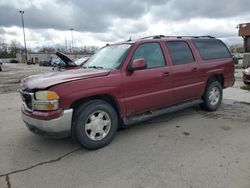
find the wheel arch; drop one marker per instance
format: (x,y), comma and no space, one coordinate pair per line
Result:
(105,97)
(216,77)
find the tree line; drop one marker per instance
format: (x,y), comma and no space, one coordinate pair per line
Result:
(9,50)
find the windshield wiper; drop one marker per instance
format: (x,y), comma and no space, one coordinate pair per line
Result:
(95,67)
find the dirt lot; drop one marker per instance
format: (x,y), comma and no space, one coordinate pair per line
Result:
(188,149)
(12,74)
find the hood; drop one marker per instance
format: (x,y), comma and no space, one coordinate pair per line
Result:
(65,59)
(42,81)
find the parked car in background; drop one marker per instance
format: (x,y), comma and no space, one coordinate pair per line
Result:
(70,64)
(57,63)
(13,61)
(246,76)
(238,56)
(30,62)
(45,63)
(236,61)
(125,83)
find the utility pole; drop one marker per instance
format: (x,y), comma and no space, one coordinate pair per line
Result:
(26,57)
(66,46)
(72,40)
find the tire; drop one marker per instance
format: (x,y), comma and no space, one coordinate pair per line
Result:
(213,96)
(95,124)
(246,83)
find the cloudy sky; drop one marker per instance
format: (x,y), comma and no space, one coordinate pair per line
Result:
(97,22)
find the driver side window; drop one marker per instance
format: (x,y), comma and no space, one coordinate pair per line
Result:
(151,53)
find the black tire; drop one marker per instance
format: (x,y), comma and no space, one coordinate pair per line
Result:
(82,116)
(208,104)
(246,83)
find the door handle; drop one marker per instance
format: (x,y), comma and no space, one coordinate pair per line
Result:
(165,74)
(194,69)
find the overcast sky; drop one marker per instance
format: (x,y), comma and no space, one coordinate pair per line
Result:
(96,22)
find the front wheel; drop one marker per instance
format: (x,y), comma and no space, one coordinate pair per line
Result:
(213,96)
(95,124)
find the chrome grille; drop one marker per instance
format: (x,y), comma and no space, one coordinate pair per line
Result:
(27,100)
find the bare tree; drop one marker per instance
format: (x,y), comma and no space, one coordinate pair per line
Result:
(15,47)
(3,49)
(47,49)
(236,48)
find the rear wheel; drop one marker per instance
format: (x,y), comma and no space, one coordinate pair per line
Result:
(95,124)
(213,96)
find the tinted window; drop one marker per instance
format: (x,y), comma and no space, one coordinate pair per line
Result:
(180,52)
(211,48)
(151,53)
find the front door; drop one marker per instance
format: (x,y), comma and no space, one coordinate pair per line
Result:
(149,88)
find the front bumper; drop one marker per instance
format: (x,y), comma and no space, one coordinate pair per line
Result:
(59,127)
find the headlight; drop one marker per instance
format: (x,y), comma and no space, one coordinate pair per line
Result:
(46,95)
(46,100)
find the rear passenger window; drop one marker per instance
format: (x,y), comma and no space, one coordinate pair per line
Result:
(151,53)
(211,48)
(180,52)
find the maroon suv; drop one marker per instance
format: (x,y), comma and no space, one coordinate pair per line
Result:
(125,83)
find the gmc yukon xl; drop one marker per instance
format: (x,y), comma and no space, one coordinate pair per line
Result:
(125,83)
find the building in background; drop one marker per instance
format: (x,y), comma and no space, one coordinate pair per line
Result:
(244,31)
(36,57)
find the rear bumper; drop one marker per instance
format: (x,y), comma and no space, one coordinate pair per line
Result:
(59,127)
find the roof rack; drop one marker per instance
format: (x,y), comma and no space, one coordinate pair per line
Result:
(153,37)
(163,36)
(196,37)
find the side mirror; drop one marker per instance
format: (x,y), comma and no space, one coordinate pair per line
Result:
(137,64)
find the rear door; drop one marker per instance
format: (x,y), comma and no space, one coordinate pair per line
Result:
(187,83)
(149,88)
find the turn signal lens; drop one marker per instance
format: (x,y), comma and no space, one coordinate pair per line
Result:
(50,106)
(46,105)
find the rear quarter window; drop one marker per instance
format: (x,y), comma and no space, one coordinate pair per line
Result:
(211,49)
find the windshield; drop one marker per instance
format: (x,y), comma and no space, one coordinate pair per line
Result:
(109,57)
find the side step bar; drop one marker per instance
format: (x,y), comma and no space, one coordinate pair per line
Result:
(148,115)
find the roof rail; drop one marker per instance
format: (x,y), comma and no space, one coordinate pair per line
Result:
(204,36)
(196,37)
(163,36)
(153,37)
